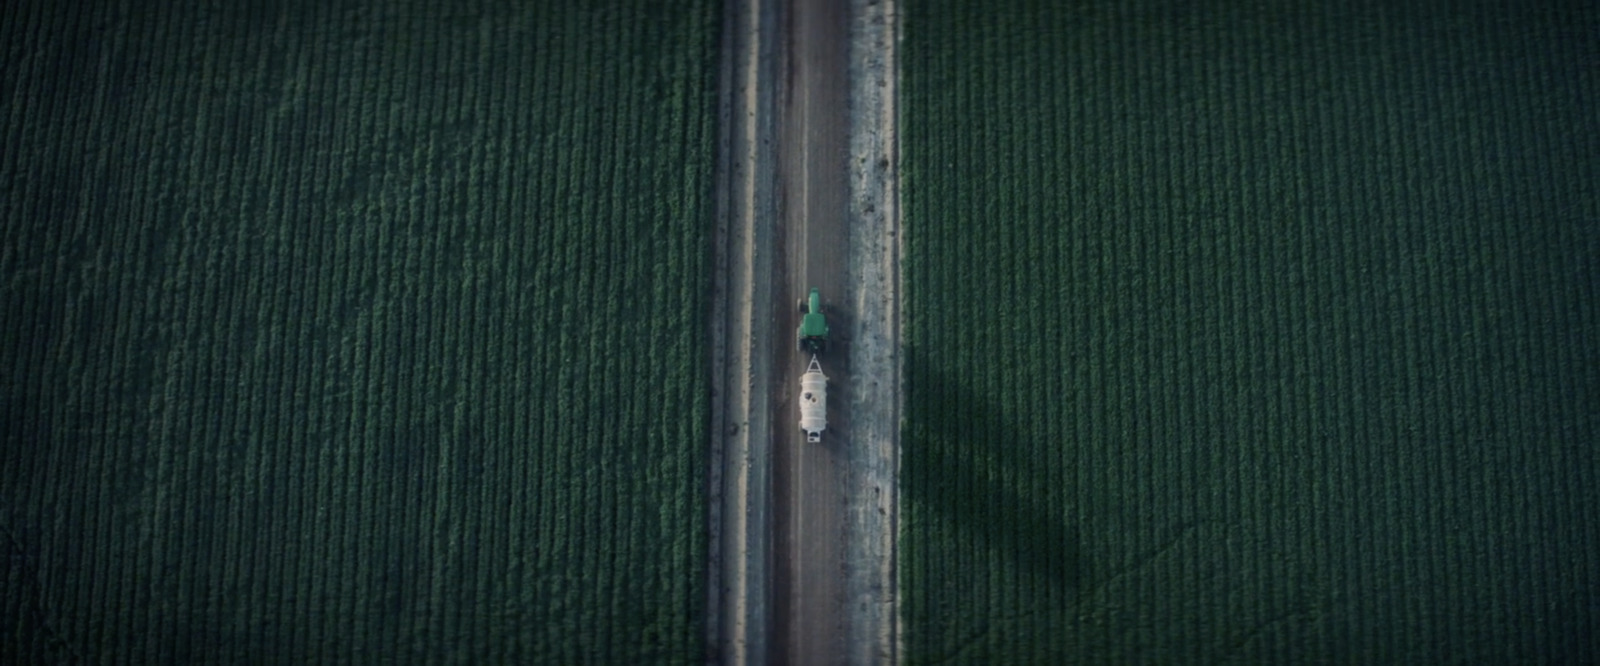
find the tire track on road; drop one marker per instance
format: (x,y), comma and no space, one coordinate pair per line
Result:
(738,625)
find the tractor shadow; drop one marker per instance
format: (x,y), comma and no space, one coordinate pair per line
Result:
(964,466)
(841,323)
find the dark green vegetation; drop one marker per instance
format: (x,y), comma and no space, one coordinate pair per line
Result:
(1275,333)
(354,331)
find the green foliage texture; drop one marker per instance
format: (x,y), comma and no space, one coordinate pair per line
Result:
(355,331)
(1258,332)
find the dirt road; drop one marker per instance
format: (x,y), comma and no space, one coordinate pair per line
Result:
(803,533)
(813,196)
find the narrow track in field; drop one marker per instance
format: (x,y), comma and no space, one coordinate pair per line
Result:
(803,533)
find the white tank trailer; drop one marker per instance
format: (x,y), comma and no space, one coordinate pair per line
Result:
(813,401)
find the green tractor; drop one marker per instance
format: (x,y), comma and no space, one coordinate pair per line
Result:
(813,334)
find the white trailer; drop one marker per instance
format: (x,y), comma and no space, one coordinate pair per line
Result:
(813,401)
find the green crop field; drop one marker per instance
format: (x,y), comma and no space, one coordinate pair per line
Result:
(1260,333)
(358,331)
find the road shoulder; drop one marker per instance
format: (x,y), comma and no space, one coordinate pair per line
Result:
(738,624)
(874,262)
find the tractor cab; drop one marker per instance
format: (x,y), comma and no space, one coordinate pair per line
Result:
(812,336)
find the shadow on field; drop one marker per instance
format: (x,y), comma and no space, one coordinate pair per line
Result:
(968,469)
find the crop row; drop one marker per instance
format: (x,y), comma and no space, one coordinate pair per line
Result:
(363,332)
(1259,335)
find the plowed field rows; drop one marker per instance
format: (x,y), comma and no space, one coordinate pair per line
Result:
(359,331)
(1265,335)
